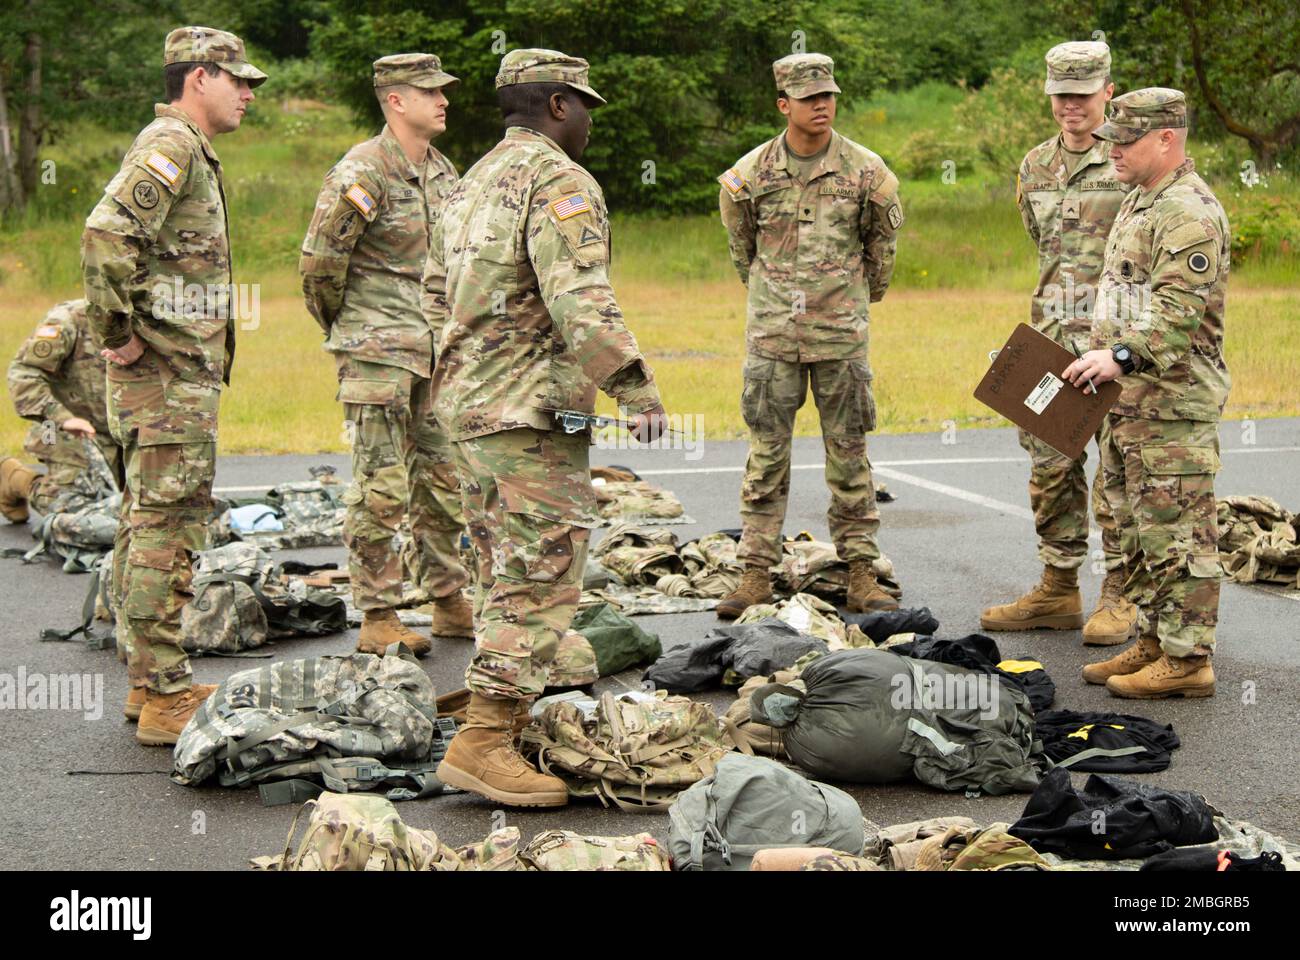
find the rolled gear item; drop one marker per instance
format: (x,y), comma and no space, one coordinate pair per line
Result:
(840,863)
(564,850)
(676,585)
(574,664)
(788,858)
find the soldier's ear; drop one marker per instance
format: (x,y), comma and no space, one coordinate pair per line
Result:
(1110,90)
(559,106)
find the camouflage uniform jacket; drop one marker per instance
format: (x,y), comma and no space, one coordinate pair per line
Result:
(161,227)
(364,252)
(1162,294)
(58,372)
(1069,217)
(517,281)
(813,256)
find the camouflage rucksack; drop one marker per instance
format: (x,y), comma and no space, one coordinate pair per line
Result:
(355,722)
(636,750)
(565,850)
(364,832)
(240,600)
(638,555)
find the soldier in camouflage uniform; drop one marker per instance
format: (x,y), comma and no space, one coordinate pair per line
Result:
(1068,196)
(1158,327)
(57,379)
(156,263)
(517,281)
(361,264)
(812,236)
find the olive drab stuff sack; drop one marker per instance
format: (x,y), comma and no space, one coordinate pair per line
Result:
(240,600)
(753,803)
(636,750)
(349,723)
(872,716)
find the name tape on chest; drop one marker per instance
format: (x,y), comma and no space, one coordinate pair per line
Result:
(570,206)
(733,181)
(359,198)
(164,167)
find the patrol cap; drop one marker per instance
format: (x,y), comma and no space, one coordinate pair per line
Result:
(1135,114)
(423,70)
(1080,66)
(805,74)
(535,65)
(206,45)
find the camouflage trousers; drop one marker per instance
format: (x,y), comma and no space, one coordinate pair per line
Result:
(1058,495)
(401,468)
(1159,480)
(167,429)
(530,508)
(774,390)
(67,483)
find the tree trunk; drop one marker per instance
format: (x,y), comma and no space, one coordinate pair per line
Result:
(11,194)
(29,136)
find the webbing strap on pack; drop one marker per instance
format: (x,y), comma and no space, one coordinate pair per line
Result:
(94,639)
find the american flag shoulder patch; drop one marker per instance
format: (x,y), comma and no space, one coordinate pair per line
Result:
(165,167)
(732,180)
(570,206)
(359,198)
(48,332)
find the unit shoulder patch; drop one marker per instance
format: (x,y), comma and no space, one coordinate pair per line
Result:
(895,215)
(145,194)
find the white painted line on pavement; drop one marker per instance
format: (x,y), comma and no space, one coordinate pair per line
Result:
(957,493)
(935,461)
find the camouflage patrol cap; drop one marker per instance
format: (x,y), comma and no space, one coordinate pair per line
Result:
(534,65)
(805,74)
(1080,66)
(1138,113)
(422,70)
(206,45)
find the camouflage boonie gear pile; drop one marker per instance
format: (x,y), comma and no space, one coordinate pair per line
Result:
(639,555)
(563,850)
(1259,542)
(639,601)
(965,848)
(807,614)
(637,752)
(636,501)
(574,664)
(337,718)
(812,566)
(364,832)
(711,565)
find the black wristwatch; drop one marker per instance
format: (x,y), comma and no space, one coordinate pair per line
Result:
(1124,357)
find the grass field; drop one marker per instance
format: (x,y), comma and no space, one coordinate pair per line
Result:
(962,280)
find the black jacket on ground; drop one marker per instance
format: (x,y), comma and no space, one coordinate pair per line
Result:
(1068,733)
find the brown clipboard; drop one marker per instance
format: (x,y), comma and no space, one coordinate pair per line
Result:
(1024,384)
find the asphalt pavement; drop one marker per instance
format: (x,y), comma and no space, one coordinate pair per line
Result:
(79,792)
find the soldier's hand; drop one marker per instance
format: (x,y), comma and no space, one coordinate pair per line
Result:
(649,426)
(126,354)
(78,427)
(1099,366)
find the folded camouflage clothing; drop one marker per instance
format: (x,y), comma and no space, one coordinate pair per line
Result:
(1258,541)
(636,501)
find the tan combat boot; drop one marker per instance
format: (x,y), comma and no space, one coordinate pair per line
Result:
(380,628)
(1054,603)
(755,587)
(136,698)
(164,715)
(1115,618)
(15,489)
(1145,651)
(453,616)
(1166,677)
(865,593)
(482,759)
